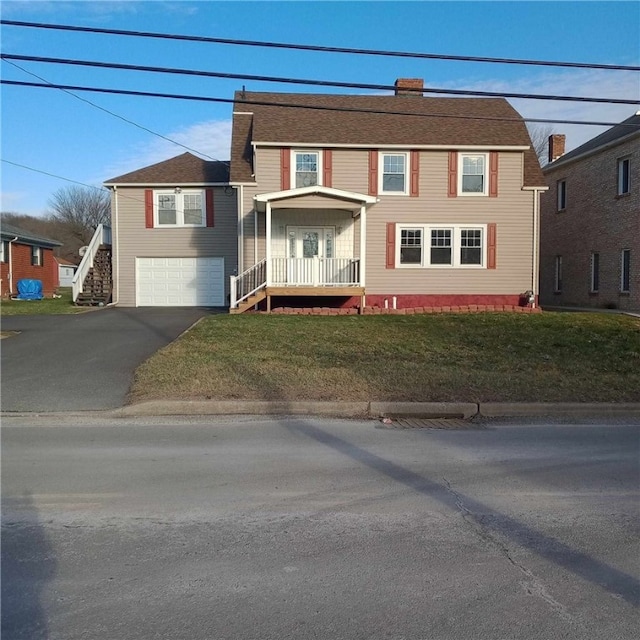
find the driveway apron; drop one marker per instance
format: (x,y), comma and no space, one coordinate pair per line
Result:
(86,361)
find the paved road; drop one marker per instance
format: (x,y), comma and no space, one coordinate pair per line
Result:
(255,528)
(85,361)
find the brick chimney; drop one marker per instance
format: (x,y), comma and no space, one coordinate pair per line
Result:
(556,146)
(409,87)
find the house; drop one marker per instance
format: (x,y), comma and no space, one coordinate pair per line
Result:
(341,200)
(26,255)
(66,271)
(590,221)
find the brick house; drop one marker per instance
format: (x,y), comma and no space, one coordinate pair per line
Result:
(590,221)
(26,255)
(338,200)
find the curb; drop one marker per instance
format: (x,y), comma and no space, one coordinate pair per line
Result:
(465,410)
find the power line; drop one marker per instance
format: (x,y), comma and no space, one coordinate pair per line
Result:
(319,48)
(323,83)
(174,96)
(115,115)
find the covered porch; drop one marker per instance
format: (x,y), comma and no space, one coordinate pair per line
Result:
(314,245)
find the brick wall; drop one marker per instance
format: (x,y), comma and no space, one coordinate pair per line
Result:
(596,219)
(22,268)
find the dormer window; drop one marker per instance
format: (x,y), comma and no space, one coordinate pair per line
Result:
(306,168)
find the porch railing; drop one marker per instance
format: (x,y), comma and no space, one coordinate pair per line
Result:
(247,283)
(315,272)
(102,235)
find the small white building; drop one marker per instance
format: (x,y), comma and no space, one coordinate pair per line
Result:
(66,271)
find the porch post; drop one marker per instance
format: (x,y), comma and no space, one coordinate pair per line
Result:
(363,242)
(267,250)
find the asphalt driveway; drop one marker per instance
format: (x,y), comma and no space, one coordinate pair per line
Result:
(86,361)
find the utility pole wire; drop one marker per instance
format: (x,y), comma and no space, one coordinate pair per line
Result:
(176,96)
(323,83)
(323,49)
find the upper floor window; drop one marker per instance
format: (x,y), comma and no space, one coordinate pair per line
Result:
(179,209)
(393,177)
(562,195)
(36,256)
(4,251)
(306,167)
(624,167)
(472,177)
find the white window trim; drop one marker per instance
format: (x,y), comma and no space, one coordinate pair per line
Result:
(485,176)
(622,254)
(561,206)
(407,172)
(621,162)
(294,154)
(456,235)
(179,208)
(4,251)
(36,252)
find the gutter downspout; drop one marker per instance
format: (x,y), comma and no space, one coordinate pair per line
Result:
(535,256)
(11,267)
(240,229)
(114,249)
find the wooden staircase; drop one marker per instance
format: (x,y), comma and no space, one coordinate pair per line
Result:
(98,283)
(250,302)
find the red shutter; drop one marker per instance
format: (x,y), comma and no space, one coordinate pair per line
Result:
(327,168)
(415,174)
(391,245)
(453,174)
(493,174)
(148,208)
(373,173)
(491,245)
(285,169)
(209,205)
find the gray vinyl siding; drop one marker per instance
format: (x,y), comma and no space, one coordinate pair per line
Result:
(512,211)
(132,239)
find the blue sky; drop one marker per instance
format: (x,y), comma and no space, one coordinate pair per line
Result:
(51,131)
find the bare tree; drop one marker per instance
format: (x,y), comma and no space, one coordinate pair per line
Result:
(539,135)
(81,210)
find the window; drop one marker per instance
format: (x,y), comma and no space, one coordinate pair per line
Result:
(411,246)
(557,285)
(562,195)
(623,176)
(36,256)
(4,251)
(625,269)
(448,246)
(473,174)
(595,272)
(306,168)
(394,173)
(179,209)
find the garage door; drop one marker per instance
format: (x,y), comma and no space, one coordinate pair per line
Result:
(180,282)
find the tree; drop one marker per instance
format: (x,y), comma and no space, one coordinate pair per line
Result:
(80,210)
(539,135)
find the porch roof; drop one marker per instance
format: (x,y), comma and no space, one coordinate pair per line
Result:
(315,190)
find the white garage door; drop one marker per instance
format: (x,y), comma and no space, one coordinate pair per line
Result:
(180,282)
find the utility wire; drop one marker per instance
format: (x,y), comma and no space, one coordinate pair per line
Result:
(176,96)
(323,49)
(322,83)
(115,115)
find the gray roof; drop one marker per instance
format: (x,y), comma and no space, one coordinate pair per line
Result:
(627,128)
(9,232)
(183,169)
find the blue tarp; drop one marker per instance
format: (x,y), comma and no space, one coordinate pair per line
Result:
(29,290)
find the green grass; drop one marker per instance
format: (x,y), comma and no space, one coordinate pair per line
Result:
(46,306)
(449,357)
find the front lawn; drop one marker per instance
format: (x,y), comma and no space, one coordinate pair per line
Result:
(46,306)
(475,358)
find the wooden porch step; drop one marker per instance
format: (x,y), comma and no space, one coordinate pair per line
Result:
(250,302)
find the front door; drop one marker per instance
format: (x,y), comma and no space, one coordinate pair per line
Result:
(307,248)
